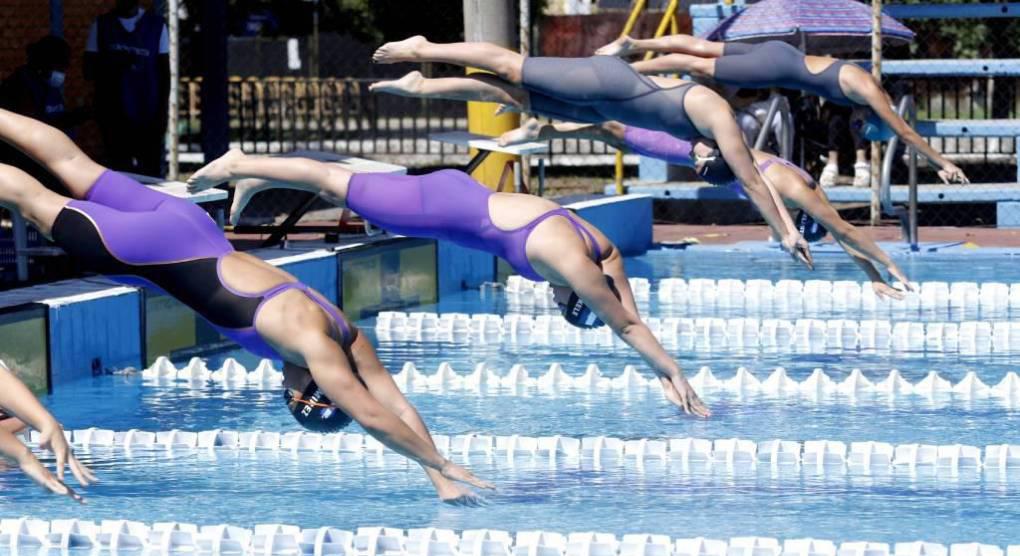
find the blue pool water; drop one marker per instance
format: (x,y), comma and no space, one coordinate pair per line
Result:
(885,505)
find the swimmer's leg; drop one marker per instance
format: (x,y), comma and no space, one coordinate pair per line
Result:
(683,44)
(259,173)
(476,87)
(677,63)
(482,55)
(611,133)
(52,149)
(22,193)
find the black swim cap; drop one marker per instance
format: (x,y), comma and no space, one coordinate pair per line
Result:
(577,313)
(314,410)
(715,170)
(809,228)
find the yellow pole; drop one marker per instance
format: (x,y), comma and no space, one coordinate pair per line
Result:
(668,20)
(491,21)
(635,11)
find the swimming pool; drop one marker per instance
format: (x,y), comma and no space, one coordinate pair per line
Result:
(684,490)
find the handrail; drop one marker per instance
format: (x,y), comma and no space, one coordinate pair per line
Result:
(907,109)
(668,18)
(779,107)
(885,190)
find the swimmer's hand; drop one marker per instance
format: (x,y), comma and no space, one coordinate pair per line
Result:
(898,274)
(52,439)
(456,495)
(951,173)
(457,473)
(682,394)
(882,289)
(37,472)
(798,248)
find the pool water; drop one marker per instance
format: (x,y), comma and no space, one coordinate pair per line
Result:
(346,491)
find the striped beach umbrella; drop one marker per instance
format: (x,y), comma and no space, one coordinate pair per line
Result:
(814,26)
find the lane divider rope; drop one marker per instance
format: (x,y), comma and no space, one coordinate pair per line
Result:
(818,386)
(118,536)
(710,333)
(826,455)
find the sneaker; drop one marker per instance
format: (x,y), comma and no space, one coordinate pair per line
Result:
(862,174)
(829,175)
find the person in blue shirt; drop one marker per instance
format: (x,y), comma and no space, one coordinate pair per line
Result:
(127,56)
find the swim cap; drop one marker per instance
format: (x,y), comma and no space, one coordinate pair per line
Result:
(714,169)
(872,127)
(579,314)
(314,411)
(809,228)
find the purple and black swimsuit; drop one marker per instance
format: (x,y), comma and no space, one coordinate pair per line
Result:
(449,205)
(130,232)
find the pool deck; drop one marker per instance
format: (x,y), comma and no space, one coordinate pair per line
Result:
(940,239)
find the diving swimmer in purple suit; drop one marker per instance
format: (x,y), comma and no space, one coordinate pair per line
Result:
(604,88)
(540,239)
(118,227)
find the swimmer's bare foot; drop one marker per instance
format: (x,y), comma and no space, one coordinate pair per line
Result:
(620,47)
(409,85)
(529,131)
(399,51)
(216,172)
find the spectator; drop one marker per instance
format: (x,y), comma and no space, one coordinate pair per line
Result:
(127,55)
(840,134)
(36,89)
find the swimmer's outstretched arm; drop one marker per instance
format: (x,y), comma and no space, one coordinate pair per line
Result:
(331,370)
(861,248)
(714,119)
(16,399)
(683,44)
(381,385)
(587,280)
(866,90)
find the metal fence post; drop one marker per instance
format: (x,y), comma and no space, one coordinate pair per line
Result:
(876,148)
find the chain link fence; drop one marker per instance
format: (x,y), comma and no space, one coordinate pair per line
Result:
(962,72)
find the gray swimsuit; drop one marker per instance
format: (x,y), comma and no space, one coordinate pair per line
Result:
(777,64)
(611,89)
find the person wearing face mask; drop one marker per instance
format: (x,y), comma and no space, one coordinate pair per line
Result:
(127,56)
(36,89)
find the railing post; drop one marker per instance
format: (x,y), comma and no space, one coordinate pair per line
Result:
(173,139)
(912,208)
(876,70)
(763,133)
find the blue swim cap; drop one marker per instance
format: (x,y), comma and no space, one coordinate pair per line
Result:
(314,411)
(715,169)
(873,128)
(577,313)
(809,228)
